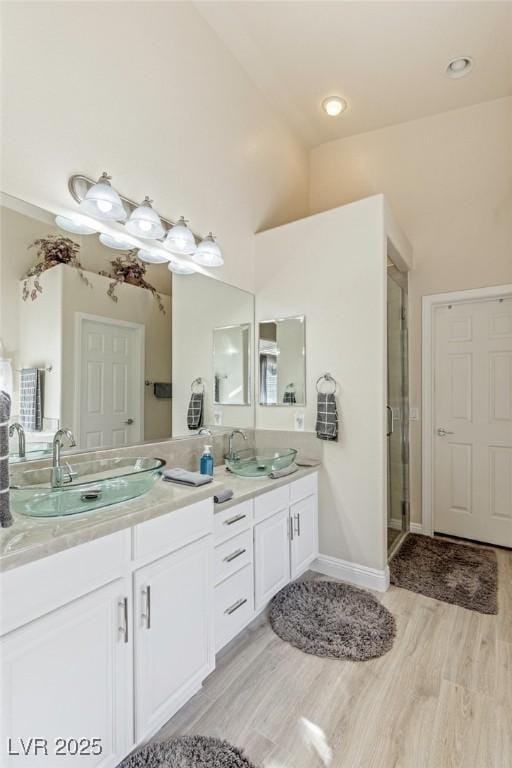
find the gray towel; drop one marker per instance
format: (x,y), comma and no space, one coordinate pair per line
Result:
(31,400)
(183,476)
(5,415)
(195,410)
(223,496)
(326,417)
(277,473)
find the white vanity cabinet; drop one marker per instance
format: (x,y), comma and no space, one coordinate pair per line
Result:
(66,678)
(271,556)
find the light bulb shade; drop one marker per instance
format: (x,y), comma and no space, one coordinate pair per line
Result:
(74,225)
(145,222)
(118,242)
(208,253)
(178,268)
(180,239)
(103,202)
(152,256)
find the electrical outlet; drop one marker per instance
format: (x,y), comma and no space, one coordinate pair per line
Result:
(414,414)
(299,421)
(217,418)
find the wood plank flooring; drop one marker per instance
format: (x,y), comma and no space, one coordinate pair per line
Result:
(441,698)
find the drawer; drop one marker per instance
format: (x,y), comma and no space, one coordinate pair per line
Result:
(171,531)
(233,605)
(271,502)
(304,487)
(232,555)
(229,522)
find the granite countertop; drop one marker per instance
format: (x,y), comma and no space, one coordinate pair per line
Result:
(31,538)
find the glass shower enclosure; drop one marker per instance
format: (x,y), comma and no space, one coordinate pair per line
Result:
(397,410)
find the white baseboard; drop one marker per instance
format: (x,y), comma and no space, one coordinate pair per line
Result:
(352,572)
(416,528)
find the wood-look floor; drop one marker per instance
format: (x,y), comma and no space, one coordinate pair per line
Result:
(441,698)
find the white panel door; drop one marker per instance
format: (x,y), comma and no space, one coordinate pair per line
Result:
(68,676)
(173,632)
(304,545)
(473,420)
(111,383)
(271,556)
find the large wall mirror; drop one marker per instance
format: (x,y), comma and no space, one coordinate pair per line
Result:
(282,361)
(114,361)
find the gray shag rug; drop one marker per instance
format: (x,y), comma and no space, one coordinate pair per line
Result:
(188,752)
(461,574)
(329,618)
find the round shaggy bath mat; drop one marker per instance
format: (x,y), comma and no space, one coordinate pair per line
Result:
(188,752)
(327,618)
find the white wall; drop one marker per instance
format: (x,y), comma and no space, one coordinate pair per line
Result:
(332,268)
(448,179)
(147,91)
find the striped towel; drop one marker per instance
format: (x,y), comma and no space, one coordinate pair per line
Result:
(326,417)
(5,415)
(31,400)
(195,410)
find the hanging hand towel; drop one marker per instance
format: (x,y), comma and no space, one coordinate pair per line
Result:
(195,410)
(31,400)
(326,417)
(5,415)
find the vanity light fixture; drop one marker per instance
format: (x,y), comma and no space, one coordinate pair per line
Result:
(208,253)
(118,242)
(179,268)
(145,222)
(334,105)
(180,239)
(152,256)
(459,67)
(74,225)
(102,201)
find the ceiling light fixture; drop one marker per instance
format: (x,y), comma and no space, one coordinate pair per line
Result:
(102,201)
(459,67)
(334,105)
(152,256)
(178,268)
(145,222)
(180,239)
(118,242)
(74,225)
(208,253)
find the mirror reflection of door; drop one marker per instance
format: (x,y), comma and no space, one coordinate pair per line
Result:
(282,357)
(110,382)
(231,365)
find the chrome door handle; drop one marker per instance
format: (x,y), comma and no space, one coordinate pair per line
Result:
(234,519)
(146,615)
(234,555)
(442,432)
(123,628)
(297,518)
(129,421)
(236,606)
(391,425)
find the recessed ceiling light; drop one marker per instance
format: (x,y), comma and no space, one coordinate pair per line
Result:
(334,105)
(459,67)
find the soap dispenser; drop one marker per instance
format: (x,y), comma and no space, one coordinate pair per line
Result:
(206,465)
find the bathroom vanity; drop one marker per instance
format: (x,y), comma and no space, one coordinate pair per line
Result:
(111,620)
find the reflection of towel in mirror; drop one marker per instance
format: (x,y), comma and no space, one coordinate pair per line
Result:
(195,410)
(31,400)
(5,415)
(289,397)
(326,417)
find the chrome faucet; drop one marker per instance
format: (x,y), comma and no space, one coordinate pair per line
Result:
(58,444)
(21,438)
(231,454)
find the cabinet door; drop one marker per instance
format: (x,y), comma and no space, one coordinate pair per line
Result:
(173,632)
(271,556)
(304,543)
(69,675)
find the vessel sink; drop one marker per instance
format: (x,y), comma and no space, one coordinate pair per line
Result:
(252,464)
(32,451)
(86,485)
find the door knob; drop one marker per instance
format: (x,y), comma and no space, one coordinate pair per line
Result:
(129,421)
(442,432)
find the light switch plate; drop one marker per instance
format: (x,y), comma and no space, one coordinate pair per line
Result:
(414,414)
(298,417)
(217,418)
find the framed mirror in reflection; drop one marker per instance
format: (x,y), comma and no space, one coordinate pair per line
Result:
(282,361)
(91,349)
(232,365)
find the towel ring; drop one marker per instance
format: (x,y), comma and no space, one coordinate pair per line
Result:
(328,378)
(197,382)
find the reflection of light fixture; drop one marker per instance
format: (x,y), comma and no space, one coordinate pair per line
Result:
(152,256)
(118,242)
(180,239)
(74,225)
(178,268)
(102,201)
(144,221)
(208,253)
(459,67)
(334,105)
